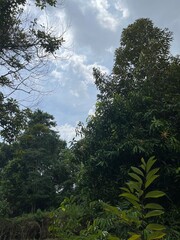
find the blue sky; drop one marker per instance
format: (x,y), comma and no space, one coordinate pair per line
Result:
(92,30)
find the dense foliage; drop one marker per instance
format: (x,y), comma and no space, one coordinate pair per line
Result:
(137,116)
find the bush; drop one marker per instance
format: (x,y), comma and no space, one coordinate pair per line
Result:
(30,226)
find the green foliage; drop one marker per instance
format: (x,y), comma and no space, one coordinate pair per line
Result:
(12,119)
(137,115)
(68,219)
(138,193)
(80,220)
(31,226)
(23,42)
(29,178)
(138,218)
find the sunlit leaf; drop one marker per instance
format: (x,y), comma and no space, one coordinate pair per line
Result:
(153,206)
(138,171)
(156,235)
(154,194)
(150,163)
(152,172)
(129,196)
(135,237)
(155,226)
(154,213)
(150,180)
(136,177)
(143,162)
(134,185)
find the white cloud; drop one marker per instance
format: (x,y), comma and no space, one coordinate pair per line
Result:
(92,111)
(111,49)
(121,7)
(57,77)
(106,19)
(108,12)
(74,93)
(66,131)
(77,65)
(81,67)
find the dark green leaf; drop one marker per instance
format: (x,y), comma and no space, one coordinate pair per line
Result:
(154,213)
(154,194)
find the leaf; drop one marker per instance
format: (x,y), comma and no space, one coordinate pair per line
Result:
(136,177)
(155,226)
(134,185)
(130,187)
(152,172)
(143,167)
(153,206)
(112,209)
(125,189)
(113,238)
(135,237)
(138,171)
(154,194)
(156,235)
(150,163)
(143,162)
(154,213)
(135,204)
(150,180)
(129,196)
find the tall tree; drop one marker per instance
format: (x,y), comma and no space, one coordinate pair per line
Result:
(136,114)
(29,179)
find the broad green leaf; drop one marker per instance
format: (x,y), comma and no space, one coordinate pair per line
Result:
(153,206)
(129,196)
(154,213)
(130,187)
(135,237)
(113,238)
(112,209)
(150,180)
(140,193)
(134,185)
(156,235)
(154,194)
(134,203)
(143,162)
(150,163)
(136,177)
(143,167)
(125,189)
(138,171)
(154,226)
(152,172)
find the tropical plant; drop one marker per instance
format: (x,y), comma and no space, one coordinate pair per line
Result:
(141,216)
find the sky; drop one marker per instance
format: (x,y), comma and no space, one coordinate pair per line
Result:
(91,30)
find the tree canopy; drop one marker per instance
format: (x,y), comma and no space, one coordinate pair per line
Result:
(23,44)
(137,112)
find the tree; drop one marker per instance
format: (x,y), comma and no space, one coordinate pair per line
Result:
(24,47)
(23,44)
(29,178)
(136,114)
(12,119)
